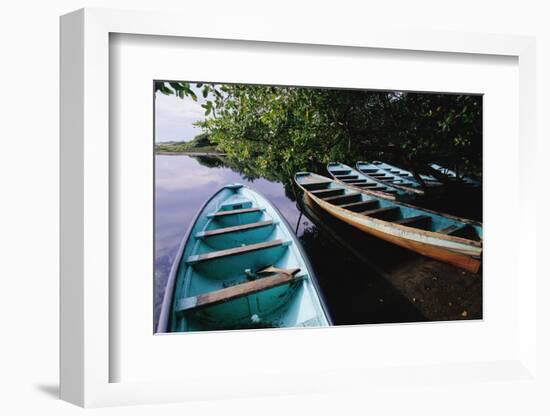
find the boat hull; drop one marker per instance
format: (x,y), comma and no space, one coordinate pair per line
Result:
(218,280)
(439,236)
(464,256)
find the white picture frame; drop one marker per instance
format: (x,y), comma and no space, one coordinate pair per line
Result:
(86,356)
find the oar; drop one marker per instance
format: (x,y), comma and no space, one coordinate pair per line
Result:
(272,269)
(268,270)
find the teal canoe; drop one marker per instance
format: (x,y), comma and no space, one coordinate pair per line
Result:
(240,266)
(452,176)
(454,240)
(349,176)
(429,180)
(380,175)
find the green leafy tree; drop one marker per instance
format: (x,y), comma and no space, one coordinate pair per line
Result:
(276,131)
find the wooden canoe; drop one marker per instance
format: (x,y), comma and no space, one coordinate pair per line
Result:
(351,177)
(429,180)
(454,240)
(452,177)
(240,266)
(378,174)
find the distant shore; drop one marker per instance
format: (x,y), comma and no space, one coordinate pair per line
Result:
(163,153)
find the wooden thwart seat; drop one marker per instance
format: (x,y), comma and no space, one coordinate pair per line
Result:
(324,193)
(233,292)
(233,229)
(450,229)
(354,181)
(344,177)
(315,185)
(233,212)
(358,206)
(340,171)
(343,198)
(236,250)
(418,221)
(464,231)
(381,212)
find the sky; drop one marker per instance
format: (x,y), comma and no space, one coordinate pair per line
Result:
(174,117)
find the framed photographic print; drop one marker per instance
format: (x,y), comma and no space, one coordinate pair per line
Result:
(283,237)
(268,225)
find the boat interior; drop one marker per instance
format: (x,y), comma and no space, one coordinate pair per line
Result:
(357,179)
(360,203)
(428,179)
(452,176)
(242,269)
(392,178)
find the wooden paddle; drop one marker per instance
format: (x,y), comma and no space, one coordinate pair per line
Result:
(271,269)
(252,275)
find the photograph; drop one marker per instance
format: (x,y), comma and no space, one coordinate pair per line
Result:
(283,206)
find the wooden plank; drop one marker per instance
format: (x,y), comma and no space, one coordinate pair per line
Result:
(465,231)
(322,193)
(342,177)
(352,181)
(417,221)
(233,251)
(340,171)
(450,229)
(233,292)
(315,185)
(233,229)
(358,206)
(343,198)
(233,212)
(381,212)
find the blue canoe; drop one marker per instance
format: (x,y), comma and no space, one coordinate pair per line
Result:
(240,266)
(452,176)
(378,174)
(429,180)
(351,177)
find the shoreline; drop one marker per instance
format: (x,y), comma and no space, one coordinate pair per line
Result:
(218,154)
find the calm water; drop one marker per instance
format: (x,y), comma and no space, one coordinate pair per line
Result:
(363,279)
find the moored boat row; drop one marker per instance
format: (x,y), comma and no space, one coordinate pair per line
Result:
(428,180)
(404,182)
(351,177)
